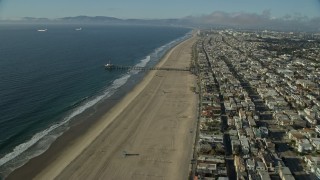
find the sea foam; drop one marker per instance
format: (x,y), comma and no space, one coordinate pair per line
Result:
(47,136)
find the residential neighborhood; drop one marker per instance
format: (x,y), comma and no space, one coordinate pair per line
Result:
(259,108)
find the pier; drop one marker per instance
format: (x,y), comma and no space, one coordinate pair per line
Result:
(119,67)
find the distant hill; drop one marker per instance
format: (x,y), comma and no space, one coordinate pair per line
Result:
(214,20)
(99,20)
(89,19)
(113,20)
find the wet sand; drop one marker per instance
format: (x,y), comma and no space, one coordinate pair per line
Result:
(152,124)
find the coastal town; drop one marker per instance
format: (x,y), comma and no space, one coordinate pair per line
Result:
(259,108)
(160,90)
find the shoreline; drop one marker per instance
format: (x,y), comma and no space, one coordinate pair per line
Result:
(66,149)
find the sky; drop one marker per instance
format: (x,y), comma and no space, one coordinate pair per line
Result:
(154,9)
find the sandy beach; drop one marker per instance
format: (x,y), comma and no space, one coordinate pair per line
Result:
(152,124)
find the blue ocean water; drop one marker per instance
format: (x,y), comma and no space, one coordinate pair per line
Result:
(48,78)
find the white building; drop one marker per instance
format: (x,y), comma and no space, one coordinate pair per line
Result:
(244,145)
(312,162)
(304,146)
(317,129)
(315,143)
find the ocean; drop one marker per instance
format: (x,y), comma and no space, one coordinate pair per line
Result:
(48,79)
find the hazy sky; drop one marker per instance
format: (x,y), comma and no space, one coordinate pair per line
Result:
(153,8)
